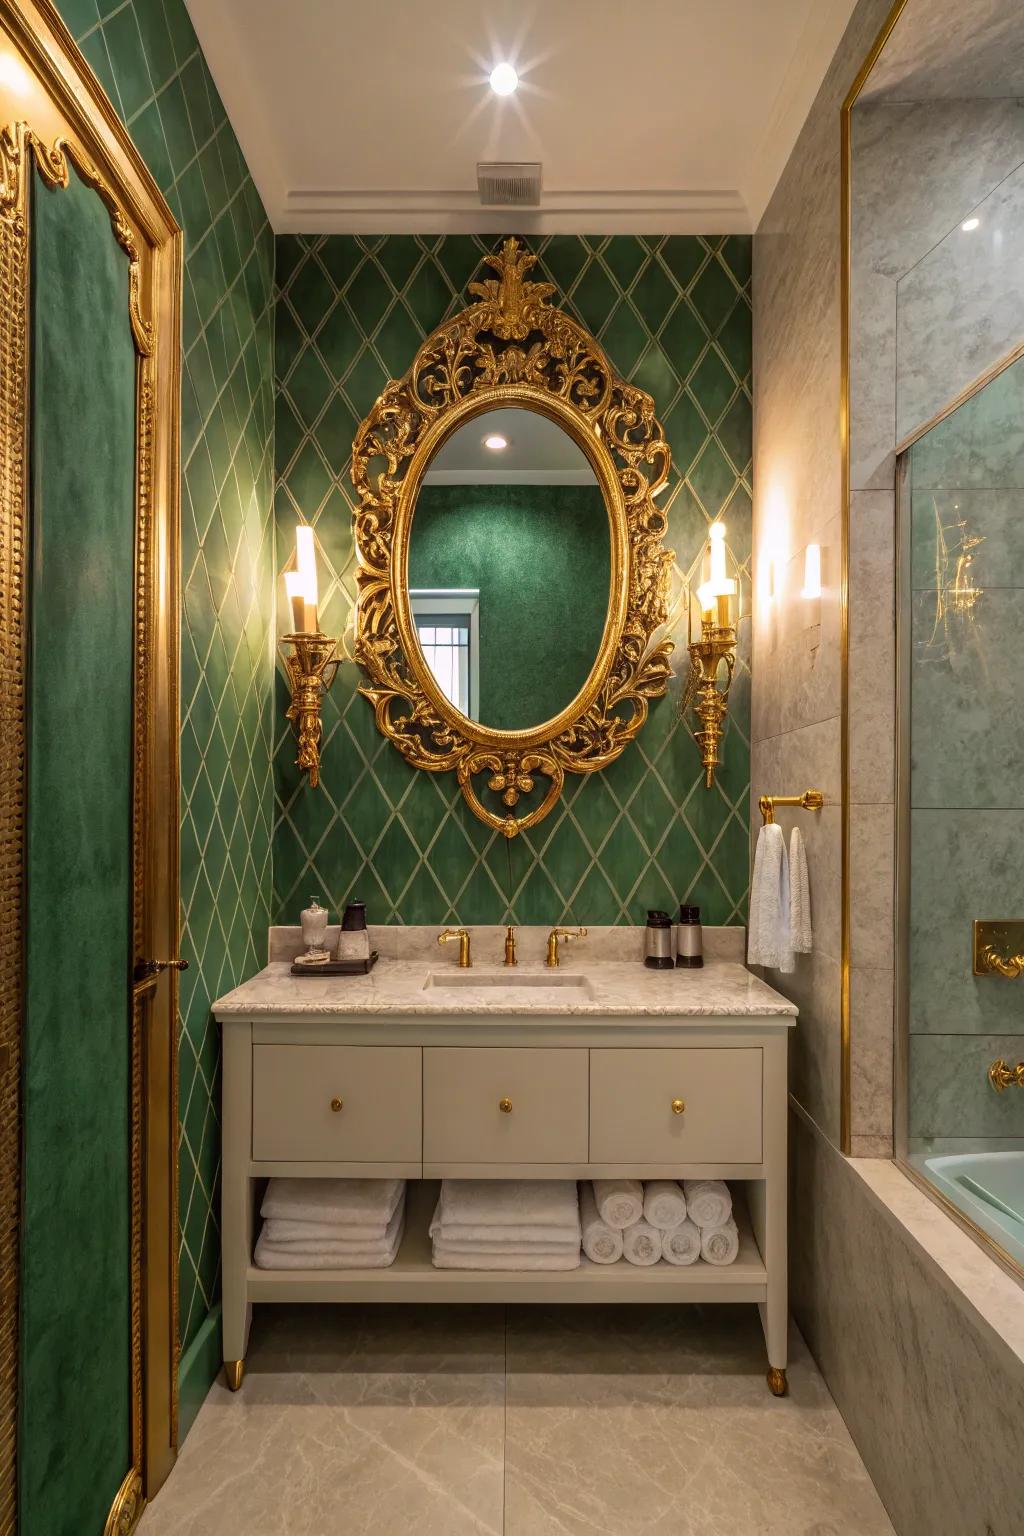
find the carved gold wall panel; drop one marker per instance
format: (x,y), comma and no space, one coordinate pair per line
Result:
(512,348)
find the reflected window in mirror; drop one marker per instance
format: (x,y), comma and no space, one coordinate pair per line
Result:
(448,627)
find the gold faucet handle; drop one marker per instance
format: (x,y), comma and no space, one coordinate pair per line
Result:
(462,934)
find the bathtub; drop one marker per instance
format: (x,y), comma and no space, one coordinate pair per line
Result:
(989,1188)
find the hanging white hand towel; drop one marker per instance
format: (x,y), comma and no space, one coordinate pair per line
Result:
(682,1244)
(620,1201)
(602,1244)
(641,1243)
(800,932)
(664,1204)
(768,937)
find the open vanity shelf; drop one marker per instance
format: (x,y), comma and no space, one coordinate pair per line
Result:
(637,1074)
(412,1277)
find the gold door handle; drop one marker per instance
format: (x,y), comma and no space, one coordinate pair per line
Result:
(337,1104)
(146,968)
(678,1105)
(505,1105)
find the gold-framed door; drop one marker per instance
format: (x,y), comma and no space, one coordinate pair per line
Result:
(54,115)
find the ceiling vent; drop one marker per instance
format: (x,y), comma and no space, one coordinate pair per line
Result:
(509,183)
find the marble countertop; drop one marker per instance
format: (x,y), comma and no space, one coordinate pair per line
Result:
(615,988)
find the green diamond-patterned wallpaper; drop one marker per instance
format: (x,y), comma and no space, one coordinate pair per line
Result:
(146,56)
(674,316)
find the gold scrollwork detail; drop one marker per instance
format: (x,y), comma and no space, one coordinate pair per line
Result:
(127,1507)
(53,162)
(512,347)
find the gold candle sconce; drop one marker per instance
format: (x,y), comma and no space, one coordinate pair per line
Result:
(309,656)
(712,650)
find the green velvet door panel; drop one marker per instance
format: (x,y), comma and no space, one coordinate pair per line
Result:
(74,1445)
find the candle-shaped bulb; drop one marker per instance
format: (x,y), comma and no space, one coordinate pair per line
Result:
(295,588)
(716,539)
(305,565)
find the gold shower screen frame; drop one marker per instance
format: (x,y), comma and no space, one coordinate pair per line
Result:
(54,115)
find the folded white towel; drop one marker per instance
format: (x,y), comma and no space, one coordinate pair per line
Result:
(708,1201)
(768,936)
(512,1250)
(330,1239)
(507,1236)
(359,1201)
(642,1243)
(281,1229)
(601,1243)
(720,1245)
(444,1258)
(800,931)
(664,1203)
(510,1202)
(620,1201)
(280,1256)
(682,1244)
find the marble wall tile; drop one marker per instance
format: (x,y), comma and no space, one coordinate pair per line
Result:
(946,60)
(951,886)
(979,446)
(917,1374)
(872,860)
(872,658)
(814,1043)
(871,1060)
(872,379)
(967,730)
(961,308)
(950,1094)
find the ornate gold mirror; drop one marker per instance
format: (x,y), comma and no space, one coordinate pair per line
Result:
(512,578)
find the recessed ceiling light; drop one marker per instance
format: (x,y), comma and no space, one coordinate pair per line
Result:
(503,79)
(495,442)
(969,224)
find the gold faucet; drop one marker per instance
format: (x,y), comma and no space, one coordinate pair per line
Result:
(462,935)
(510,945)
(561,933)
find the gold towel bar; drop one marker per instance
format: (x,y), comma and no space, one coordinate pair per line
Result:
(810,800)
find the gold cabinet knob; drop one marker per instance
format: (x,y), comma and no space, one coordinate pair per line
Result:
(505,1105)
(337,1104)
(678,1105)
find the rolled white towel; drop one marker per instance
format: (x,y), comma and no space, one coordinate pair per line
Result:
(708,1201)
(682,1244)
(601,1243)
(332,1239)
(664,1203)
(620,1201)
(356,1201)
(282,1256)
(444,1258)
(509,1203)
(642,1243)
(720,1245)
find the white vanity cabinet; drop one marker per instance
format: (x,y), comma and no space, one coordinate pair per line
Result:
(312,1090)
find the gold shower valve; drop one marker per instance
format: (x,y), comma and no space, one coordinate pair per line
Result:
(1002,1076)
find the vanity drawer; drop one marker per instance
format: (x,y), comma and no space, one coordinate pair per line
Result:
(632,1119)
(377,1087)
(544,1091)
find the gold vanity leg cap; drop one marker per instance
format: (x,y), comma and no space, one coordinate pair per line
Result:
(234,1370)
(778,1385)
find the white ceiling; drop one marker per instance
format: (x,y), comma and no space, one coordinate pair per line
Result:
(675,116)
(538,453)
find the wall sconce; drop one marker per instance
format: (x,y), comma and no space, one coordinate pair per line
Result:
(308,656)
(714,647)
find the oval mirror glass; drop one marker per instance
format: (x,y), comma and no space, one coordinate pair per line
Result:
(509,569)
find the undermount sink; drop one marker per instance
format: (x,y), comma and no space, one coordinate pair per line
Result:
(510,980)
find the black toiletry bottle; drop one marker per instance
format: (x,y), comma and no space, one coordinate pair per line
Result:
(689,939)
(354,940)
(658,941)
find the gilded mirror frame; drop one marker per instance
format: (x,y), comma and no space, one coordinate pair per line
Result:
(513,348)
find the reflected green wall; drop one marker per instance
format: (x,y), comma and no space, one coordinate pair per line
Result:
(673,315)
(539,556)
(147,57)
(967,747)
(74,1449)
